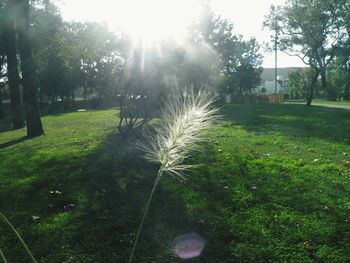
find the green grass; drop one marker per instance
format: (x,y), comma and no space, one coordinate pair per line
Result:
(274,187)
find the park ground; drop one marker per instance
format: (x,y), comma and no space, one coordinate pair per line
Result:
(274,186)
(345,104)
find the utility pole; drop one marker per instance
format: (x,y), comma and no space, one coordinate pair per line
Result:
(276,40)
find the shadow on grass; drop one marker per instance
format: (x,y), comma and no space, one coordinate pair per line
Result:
(87,208)
(293,120)
(13,142)
(57,110)
(6,124)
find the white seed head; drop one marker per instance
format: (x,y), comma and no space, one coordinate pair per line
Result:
(183,122)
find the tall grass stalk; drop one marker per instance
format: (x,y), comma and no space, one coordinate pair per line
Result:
(3,256)
(3,217)
(184,120)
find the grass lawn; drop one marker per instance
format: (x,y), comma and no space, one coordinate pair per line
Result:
(274,187)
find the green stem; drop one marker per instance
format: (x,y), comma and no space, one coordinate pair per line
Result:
(18,236)
(3,256)
(160,172)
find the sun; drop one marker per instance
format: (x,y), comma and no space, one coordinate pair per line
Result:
(151,20)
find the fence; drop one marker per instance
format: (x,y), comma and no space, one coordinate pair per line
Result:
(242,99)
(275,98)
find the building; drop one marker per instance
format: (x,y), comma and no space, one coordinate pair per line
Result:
(267,85)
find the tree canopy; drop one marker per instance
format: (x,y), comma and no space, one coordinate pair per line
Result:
(314,31)
(64,61)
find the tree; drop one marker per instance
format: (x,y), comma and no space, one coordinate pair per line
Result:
(2,112)
(310,30)
(32,114)
(2,75)
(344,13)
(344,54)
(196,66)
(83,59)
(248,77)
(218,34)
(2,58)
(339,75)
(148,76)
(239,60)
(299,83)
(9,37)
(249,69)
(93,49)
(131,93)
(46,38)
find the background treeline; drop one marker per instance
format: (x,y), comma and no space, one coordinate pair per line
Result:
(74,61)
(317,32)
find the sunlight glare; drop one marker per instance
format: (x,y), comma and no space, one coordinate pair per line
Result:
(151,20)
(188,246)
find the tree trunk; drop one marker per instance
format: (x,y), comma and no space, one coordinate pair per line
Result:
(12,71)
(328,94)
(83,83)
(347,88)
(41,94)
(312,88)
(347,92)
(72,98)
(32,114)
(2,113)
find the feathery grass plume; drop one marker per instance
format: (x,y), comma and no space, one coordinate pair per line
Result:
(183,122)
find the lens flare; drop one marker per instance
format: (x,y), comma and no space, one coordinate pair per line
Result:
(188,246)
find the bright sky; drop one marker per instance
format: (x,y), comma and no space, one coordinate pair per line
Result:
(155,19)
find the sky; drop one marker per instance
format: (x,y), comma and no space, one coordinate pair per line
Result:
(153,19)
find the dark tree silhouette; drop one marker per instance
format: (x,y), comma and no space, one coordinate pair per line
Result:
(2,84)
(2,113)
(31,108)
(12,66)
